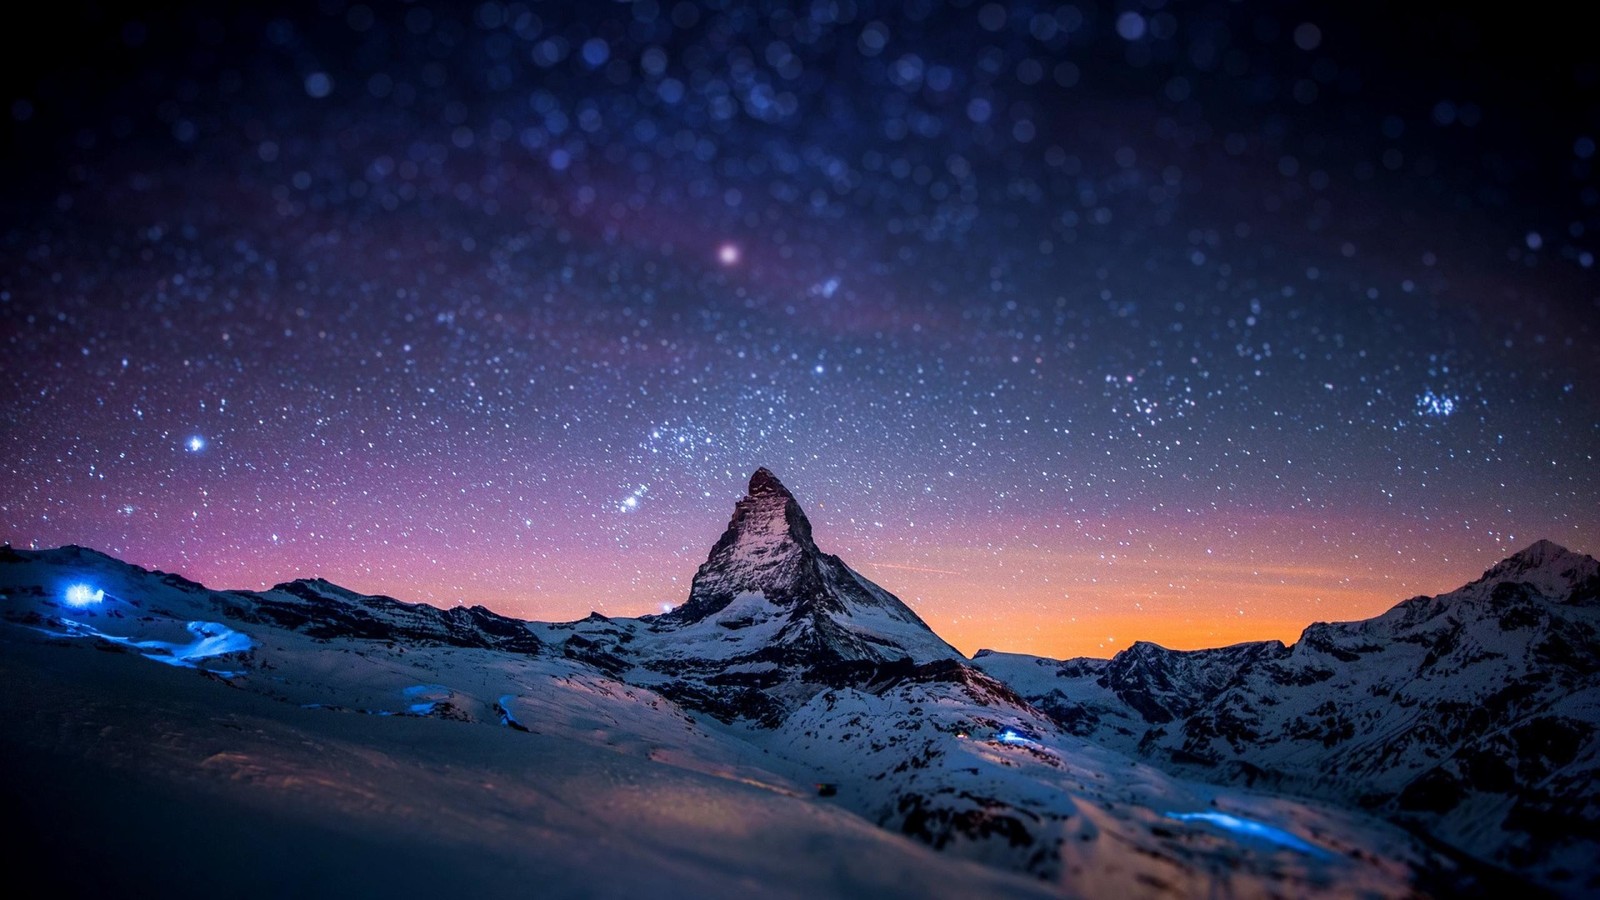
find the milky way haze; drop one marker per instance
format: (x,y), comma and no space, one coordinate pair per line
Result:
(1072,324)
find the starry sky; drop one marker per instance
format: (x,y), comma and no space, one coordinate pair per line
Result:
(1070,323)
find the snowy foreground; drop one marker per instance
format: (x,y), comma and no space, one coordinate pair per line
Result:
(791,730)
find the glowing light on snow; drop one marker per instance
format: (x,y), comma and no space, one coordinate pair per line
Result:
(1251,829)
(503,707)
(196,443)
(1013,737)
(81,595)
(211,639)
(728,254)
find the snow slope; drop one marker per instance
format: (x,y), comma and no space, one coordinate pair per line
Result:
(168,784)
(310,764)
(952,757)
(378,754)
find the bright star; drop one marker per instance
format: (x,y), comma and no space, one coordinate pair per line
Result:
(728,254)
(1438,406)
(631,502)
(196,444)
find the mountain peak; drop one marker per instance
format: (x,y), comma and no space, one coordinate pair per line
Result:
(766,570)
(1550,567)
(1540,552)
(764,483)
(767,549)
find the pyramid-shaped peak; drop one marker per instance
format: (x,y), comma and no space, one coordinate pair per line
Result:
(767,590)
(764,483)
(767,549)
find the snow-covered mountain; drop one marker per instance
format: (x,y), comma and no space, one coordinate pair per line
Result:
(1474,715)
(770,619)
(791,726)
(766,570)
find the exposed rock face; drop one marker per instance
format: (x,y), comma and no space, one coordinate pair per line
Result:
(767,549)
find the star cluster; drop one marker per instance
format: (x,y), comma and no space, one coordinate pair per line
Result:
(1070,323)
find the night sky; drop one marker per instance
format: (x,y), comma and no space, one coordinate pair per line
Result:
(1071,324)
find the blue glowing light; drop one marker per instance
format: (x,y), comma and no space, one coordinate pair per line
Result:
(503,707)
(1016,738)
(211,639)
(81,595)
(1251,829)
(196,443)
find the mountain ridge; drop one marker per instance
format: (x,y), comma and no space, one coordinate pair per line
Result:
(1472,715)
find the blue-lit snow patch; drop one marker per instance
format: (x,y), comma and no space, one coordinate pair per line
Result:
(503,707)
(1250,828)
(1015,738)
(82,595)
(425,697)
(211,639)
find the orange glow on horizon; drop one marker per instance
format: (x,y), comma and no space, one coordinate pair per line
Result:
(1038,588)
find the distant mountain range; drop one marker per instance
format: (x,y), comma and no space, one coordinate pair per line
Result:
(1471,716)
(1448,745)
